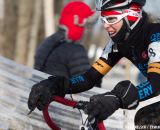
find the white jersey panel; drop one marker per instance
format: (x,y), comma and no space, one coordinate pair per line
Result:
(154,52)
(107,50)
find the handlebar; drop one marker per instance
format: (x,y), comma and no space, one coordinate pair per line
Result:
(67,102)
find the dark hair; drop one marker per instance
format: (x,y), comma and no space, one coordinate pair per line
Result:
(152,18)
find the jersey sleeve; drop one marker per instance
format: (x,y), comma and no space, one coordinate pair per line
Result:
(107,60)
(101,67)
(151,87)
(154,52)
(154,66)
(111,54)
(154,44)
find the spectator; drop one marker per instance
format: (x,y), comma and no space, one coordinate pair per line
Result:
(61,54)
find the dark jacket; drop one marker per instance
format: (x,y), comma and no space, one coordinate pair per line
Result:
(56,56)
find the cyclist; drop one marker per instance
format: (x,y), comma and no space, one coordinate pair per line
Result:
(133,37)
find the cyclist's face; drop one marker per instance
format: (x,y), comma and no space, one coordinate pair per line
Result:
(113,29)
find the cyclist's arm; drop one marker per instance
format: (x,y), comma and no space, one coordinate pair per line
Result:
(87,80)
(151,87)
(101,67)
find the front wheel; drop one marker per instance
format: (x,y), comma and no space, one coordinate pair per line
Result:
(148,118)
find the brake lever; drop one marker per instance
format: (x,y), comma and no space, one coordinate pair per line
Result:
(30,111)
(33,107)
(81,105)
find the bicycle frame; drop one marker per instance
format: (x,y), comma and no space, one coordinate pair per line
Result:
(66,102)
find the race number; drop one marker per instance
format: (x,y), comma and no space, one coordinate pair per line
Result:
(154,52)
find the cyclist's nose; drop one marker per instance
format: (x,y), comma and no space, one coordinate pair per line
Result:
(105,25)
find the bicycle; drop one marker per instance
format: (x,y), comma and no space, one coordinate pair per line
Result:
(80,105)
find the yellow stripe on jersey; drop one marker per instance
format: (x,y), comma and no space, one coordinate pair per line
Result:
(155,70)
(154,67)
(101,66)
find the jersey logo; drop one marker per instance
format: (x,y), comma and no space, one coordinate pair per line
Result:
(145,90)
(77,79)
(143,68)
(155,37)
(101,66)
(144,55)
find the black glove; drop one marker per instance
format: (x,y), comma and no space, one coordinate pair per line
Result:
(127,94)
(43,92)
(124,95)
(102,106)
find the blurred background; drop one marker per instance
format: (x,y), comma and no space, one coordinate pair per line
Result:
(25,23)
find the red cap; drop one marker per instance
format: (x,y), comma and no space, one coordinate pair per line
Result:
(67,18)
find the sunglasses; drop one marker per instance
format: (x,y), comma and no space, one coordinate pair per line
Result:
(113,19)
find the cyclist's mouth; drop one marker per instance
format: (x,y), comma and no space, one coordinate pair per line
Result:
(112,34)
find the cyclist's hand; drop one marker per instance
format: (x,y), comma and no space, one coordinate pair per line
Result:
(102,106)
(42,92)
